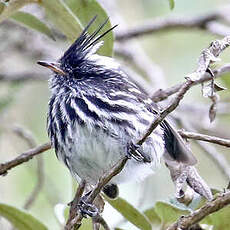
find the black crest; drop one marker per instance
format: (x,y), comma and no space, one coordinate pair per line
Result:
(83,44)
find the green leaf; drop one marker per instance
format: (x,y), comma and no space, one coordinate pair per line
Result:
(152,216)
(130,213)
(219,220)
(71,16)
(20,219)
(32,22)
(168,213)
(85,10)
(12,6)
(171,4)
(64,19)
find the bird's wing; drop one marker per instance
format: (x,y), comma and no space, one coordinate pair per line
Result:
(176,147)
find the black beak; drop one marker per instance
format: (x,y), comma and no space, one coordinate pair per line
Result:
(53,66)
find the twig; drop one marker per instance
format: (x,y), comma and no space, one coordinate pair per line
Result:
(76,221)
(73,205)
(160,94)
(162,24)
(203,137)
(185,222)
(106,178)
(26,156)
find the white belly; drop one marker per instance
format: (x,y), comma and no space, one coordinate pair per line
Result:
(94,152)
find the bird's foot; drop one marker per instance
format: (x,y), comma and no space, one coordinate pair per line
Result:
(86,208)
(134,151)
(111,190)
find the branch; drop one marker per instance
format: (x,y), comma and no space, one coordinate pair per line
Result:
(203,137)
(76,220)
(185,222)
(162,24)
(74,205)
(208,55)
(26,156)
(161,94)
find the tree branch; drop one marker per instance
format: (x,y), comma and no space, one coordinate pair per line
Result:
(161,94)
(74,206)
(162,24)
(203,137)
(75,222)
(26,156)
(218,203)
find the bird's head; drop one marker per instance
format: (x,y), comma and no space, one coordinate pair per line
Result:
(78,55)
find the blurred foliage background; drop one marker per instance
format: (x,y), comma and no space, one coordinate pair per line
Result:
(24,102)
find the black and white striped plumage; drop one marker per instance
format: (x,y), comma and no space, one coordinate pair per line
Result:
(96,111)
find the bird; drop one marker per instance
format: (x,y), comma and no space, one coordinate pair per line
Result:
(97,113)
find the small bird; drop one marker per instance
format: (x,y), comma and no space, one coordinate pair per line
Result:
(96,114)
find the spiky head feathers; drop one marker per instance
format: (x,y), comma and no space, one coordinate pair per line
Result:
(84,46)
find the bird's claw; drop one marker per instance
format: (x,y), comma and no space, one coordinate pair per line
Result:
(87,209)
(134,151)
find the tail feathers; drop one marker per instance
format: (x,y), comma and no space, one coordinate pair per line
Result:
(175,146)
